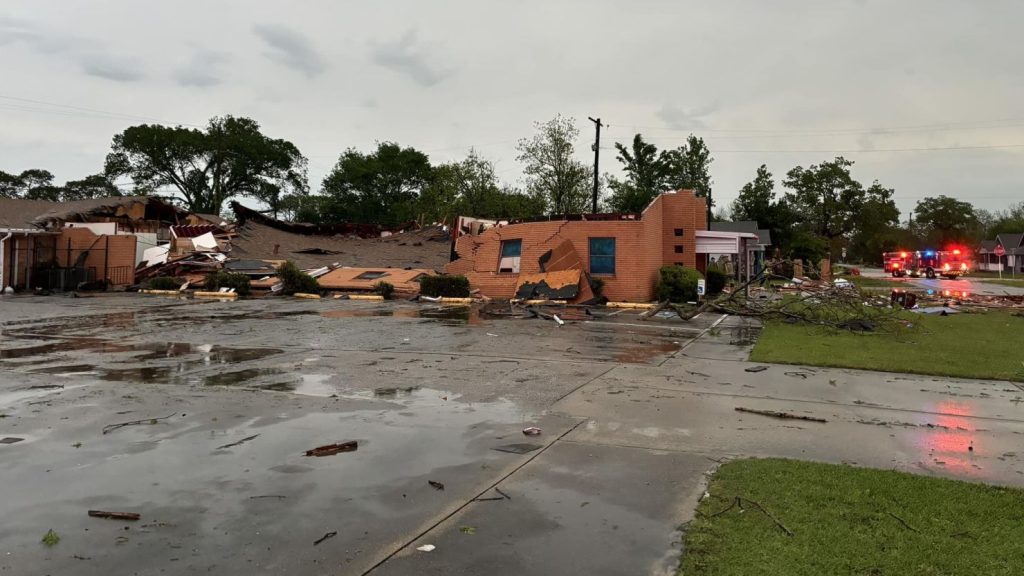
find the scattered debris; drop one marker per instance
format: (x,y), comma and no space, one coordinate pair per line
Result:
(738,503)
(278,496)
(436,485)
(518,448)
(532,431)
(502,496)
(242,441)
(10,440)
(756,369)
(426,548)
(45,387)
(325,537)
(111,427)
(332,449)
(783,415)
(50,538)
(132,516)
(467,529)
(940,310)
(76,445)
(499,491)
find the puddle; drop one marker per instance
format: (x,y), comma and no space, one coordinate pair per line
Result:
(641,354)
(449,315)
(237,377)
(744,336)
(394,392)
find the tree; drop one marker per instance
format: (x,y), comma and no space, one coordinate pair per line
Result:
(876,226)
(552,171)
(756,199)
(646,175)
(470,187)
(94,186)
(827,198)
(10,185)
(689,167)
(377,188)
(230,158)
(1009,221)
(943,220)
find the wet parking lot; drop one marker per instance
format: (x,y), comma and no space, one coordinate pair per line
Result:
(222,400)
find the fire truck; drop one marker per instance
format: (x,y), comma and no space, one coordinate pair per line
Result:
(950,263)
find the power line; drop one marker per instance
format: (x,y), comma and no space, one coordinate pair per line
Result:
(94,111)
(862,150)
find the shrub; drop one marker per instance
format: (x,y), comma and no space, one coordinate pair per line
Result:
(295,280)
(163,283)
(597,286)
(220,279)
(445,285)
(716,281)
(677,284)
(385,289)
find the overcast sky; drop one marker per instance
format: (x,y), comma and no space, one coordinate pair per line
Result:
(782,83)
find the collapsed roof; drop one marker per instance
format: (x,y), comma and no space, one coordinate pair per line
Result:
(21,213)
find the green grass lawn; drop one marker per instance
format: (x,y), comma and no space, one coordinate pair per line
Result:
(855,521)
(985,345)
(865,282)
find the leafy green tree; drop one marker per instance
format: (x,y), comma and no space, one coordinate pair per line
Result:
(552,170)
(470,187)
(646,173)
(943,220)
(1009,221)
(93,186)
(232,157)
(826,197)
(10,185)
(758,201)
(877,228)
(381,187)
(689,167)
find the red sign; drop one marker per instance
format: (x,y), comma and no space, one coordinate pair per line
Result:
(999,251)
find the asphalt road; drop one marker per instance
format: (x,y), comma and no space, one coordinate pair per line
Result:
(970,284)
(222,401)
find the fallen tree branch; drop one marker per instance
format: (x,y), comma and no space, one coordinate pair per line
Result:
(111,427)
(242,441)
(904,522)
(738,503)
(783,415)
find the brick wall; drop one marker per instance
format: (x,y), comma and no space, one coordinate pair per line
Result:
(641,248)
(105,252)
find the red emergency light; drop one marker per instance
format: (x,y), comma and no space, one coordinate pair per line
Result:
(903,254)
(956,251)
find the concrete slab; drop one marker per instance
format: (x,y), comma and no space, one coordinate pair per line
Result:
(575,510)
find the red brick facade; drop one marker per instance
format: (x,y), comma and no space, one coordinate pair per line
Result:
(641,248)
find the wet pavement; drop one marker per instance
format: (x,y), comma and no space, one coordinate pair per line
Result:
(965,284)
(227,397)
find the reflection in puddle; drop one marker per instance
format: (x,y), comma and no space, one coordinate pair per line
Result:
(951,441)
(641,354)
(237,377)
(395,392)
(452,315)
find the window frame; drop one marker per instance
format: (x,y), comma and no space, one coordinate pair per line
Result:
(513,262)
(604,257)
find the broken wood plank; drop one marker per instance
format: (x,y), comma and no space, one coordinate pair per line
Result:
(115,515)
(332,449)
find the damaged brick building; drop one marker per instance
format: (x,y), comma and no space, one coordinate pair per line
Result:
(625,251)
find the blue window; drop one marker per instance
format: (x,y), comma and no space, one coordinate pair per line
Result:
(510,252)
(602,255)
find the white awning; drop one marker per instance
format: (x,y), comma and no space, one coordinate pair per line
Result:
(715,242)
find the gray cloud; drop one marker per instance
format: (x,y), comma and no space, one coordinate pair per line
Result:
(111,67)
(680,119)
(291,49)
(202,71)
(14,31)
(403,57)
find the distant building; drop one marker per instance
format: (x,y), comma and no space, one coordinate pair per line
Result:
(1012,259)
(624,251)
(58,245)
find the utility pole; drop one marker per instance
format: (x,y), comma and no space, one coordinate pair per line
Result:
(597,156)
